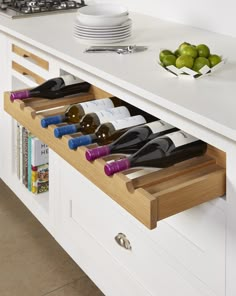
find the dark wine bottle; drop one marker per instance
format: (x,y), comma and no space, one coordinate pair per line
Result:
(160,152)
(132,140)
(54,88)
(74,113)
(107,132)
(91,121)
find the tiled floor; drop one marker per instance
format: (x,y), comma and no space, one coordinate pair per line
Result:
(31,261)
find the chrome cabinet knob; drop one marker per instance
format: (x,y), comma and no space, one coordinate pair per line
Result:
(122,241)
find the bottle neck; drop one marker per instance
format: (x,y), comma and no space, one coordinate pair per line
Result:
(20,95)
(92,154)
(117,166)
(66,130)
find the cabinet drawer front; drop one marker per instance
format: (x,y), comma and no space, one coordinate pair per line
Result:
(28,73)
(29,65)
(107,272)
(196,239)
(86,206)
(27,55)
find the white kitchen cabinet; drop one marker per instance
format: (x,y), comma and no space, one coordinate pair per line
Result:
(103,268)
(191,253)
(155,260)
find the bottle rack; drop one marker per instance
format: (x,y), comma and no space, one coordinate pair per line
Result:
(149,197)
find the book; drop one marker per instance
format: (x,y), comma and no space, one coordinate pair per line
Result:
(20,154)
(39,165)
(18,150)
(39,179)
(30,136)
(25,133)
(39,152)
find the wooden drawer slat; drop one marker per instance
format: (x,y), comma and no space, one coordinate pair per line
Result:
(171,172)
(26,54)
(22,70)
(150,197)
(47,103)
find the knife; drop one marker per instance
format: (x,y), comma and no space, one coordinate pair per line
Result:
(120,49)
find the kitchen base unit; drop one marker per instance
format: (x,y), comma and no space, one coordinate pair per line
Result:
(81,213)
(162,233)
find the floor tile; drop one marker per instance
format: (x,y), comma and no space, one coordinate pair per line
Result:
(81,287)
(31,262)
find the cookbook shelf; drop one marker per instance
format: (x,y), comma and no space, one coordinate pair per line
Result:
(148,196)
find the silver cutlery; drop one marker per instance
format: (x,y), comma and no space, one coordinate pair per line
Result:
(120,49)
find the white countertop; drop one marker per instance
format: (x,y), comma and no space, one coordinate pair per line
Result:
(210,101)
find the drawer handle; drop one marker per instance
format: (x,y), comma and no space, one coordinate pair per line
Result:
(122,241)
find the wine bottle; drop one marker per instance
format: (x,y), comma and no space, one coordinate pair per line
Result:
(107,132)
(132,140)
(53,88)
(75,112)
(161,152)
(91,121)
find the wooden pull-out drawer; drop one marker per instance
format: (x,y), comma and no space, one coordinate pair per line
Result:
(26,72)
(149,197)
(30,56)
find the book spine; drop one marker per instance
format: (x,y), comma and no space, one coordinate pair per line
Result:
(20,154)
(25,156)
(30,136)
(18,150)
(34,177)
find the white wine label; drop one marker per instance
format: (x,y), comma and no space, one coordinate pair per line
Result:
(112,114)
(70,79)
(128,122)
(159,126)
(181,138)
(97,105)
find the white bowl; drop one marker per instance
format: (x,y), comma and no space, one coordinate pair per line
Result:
(102,15)
(102,22)
(103,10)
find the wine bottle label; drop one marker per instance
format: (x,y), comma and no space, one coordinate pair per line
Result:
(159,126)
(70,79)
(181,138)
(112,114)
(128,122)
(97,105)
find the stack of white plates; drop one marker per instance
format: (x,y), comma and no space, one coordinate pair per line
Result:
(103,23)
(99,35)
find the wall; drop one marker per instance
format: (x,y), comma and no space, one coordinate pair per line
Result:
(213,15)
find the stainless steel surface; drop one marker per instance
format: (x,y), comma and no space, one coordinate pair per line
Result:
(122,241)
(122,49)
(25,8)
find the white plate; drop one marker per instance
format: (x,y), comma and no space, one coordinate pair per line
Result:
(109,31)
(102,34)
(125,24)
(101,41)
(101,38)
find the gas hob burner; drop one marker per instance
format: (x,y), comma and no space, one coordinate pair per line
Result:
(20,8)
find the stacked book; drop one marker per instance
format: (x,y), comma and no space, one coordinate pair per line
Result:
(32,161)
